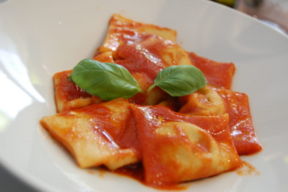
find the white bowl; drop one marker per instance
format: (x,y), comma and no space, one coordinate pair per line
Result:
(39,38)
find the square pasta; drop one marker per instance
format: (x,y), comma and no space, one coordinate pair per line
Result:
(177,148)
(217,101)
(93,134)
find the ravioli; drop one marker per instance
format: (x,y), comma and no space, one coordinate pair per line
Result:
(122,29)
(143,49)
(217,101)
(218,74)
(174,139)
(241,123)
(90,134)
(178,148)
(70,96)
(205,101)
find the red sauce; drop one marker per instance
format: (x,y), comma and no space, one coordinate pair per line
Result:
(138,129)
(241,124)
(142,55)
(66,89)
(129,138)
(161,168)
(136,172)
(114,122)
(218,74)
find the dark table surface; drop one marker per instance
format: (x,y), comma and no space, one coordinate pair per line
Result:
(10,183)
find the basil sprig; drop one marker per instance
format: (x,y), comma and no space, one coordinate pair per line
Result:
(180,80)
(109,81)
(105,80)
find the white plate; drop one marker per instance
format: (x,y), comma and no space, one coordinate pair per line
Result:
(39,38)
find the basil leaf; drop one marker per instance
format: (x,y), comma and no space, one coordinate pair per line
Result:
(105,80)
(180,80)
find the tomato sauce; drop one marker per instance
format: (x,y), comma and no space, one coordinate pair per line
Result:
(138,58)
(114,122)
(136,172)
(241,124)
(160,166)
(218,74)
(142,56)
(129,138)
(128,126)
(66,89)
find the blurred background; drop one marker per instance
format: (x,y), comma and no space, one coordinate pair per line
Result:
(271,12)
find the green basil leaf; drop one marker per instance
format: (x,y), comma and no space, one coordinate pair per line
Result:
(180,80)
(105,80)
